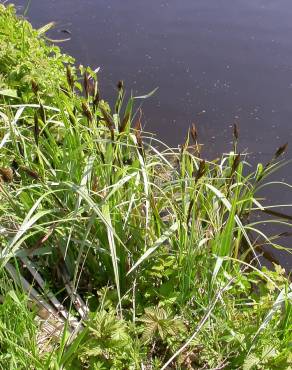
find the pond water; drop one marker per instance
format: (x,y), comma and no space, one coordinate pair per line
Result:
(214,61)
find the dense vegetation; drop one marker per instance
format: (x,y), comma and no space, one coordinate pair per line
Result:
(116,254)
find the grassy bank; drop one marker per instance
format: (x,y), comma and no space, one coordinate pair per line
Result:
(116,254)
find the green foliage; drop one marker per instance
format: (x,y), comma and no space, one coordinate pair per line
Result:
(106,345)
(26,57)
(18,331)
(159,322)
(159,243)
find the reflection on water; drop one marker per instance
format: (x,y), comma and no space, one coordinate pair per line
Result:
(213,61)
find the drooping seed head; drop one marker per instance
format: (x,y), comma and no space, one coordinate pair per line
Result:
(194,133)
(70,78)
(30,172)
(107,118)
(6,174)
(235,164)
(235,131)
(35,87)
(201,170)
(281,150)
(42,113)
(120,85)
(86,111)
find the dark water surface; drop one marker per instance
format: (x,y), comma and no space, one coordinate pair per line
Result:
(229,58)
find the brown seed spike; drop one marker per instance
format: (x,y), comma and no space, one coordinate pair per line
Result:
(70,78)
(35,87)
(281,150)
(235,131)
(30,172)
(65,90)
(107,118)
(41,241)
(14,165)
(96,98)
(235,164)
(190,210)
(138,135)
(7,174)
(138,125)
(194,133)
(201,170)
(36,130)
(91,87)
(120,85)
(42,113)
(86,111)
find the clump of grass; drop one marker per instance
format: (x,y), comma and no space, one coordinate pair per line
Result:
(144,257)
(18,330)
